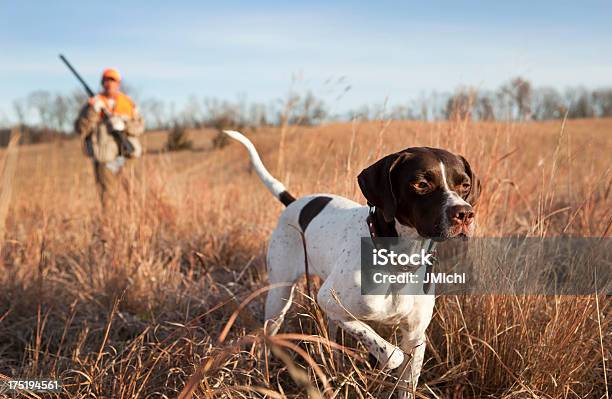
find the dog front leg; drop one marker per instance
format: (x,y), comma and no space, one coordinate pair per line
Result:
(390,356)
(332,329)
(413,343)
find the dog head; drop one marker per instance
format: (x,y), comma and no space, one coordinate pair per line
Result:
(428,189)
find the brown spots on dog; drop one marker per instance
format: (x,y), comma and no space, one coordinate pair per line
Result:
(311,210)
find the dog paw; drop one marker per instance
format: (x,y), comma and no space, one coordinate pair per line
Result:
(395,359)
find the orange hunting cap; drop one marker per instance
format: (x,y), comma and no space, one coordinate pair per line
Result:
(111,73)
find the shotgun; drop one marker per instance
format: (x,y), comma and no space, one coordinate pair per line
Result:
(125,147)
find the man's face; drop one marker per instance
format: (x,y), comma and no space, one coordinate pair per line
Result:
(111,87)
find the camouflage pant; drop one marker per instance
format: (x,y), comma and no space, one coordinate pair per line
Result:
(110,185)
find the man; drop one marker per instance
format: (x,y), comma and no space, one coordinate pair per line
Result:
(100,136)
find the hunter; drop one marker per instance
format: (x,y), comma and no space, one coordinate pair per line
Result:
(103,121)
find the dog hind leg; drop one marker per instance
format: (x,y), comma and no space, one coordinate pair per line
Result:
(278,302)
(285,265)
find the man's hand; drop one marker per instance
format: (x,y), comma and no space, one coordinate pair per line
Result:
(97,104)
(117,123)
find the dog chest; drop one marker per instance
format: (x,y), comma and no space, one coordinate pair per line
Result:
(397,309)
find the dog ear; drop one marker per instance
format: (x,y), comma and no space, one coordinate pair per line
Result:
(376,186)
(474,193)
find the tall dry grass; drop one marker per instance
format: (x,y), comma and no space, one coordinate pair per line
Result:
(170,283)
(7,169)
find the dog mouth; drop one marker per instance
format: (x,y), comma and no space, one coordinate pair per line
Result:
(442,233)
(461,230)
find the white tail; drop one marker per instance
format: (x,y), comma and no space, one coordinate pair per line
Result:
(277,188)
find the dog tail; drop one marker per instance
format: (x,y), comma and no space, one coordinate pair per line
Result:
(274,186)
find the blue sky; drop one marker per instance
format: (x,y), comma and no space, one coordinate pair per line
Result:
(394,50)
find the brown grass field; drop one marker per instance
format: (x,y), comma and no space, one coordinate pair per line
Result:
(132,303)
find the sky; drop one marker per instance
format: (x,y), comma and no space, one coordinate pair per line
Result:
(392,51)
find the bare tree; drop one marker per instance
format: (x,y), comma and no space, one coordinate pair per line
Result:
(362,113)
(579,103)
(4,121)
(602,102)
(258,115)
(514,99)
(192,114)
(40,101)
(548,104)
(222,114)
(308,110)
(522,97)
(484,109)
(459,105)
(20,109)
(154,112)
(60,108)
(402,112)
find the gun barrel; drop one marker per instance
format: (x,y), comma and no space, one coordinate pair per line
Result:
(76,74)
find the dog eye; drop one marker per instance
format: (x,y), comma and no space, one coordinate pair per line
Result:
(464,188)
(421,187)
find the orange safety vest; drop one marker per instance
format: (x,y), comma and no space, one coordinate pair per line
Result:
(124,106)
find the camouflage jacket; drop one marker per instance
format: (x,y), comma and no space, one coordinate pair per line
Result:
(96,139)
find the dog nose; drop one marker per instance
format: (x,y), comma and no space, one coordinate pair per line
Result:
(461,214)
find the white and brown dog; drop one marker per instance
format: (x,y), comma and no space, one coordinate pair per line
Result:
(418,192)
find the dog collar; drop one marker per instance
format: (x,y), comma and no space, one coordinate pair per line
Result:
(378,227)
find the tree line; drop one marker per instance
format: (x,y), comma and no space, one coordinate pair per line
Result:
(43,115)
(515,100)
